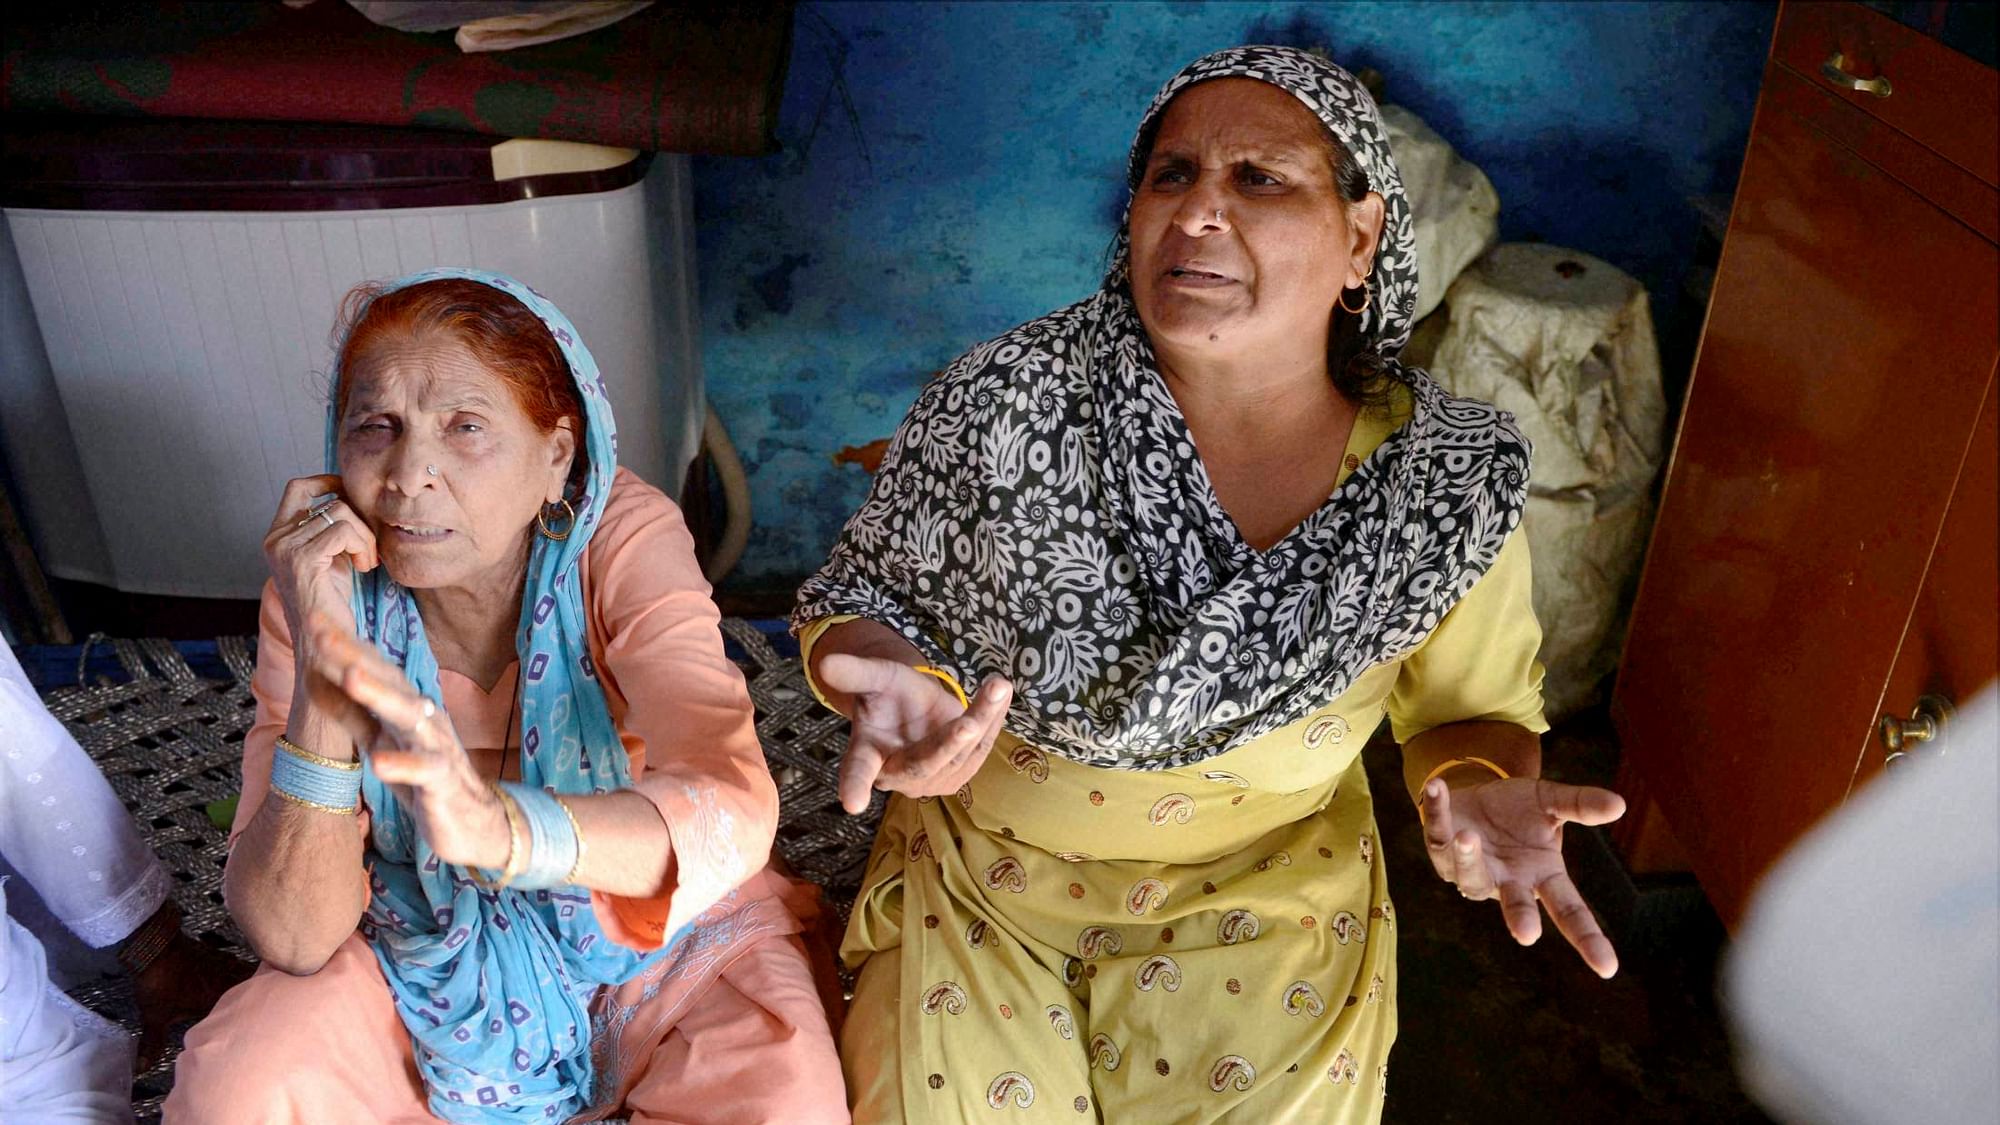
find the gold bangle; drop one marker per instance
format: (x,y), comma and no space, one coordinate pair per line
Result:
(303,754)
(578,829)
(948,679)
(303,803)
(517,831)
(515,860)
(1448,764)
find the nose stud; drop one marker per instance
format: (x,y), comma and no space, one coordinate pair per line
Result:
(431,470)
(1218,214)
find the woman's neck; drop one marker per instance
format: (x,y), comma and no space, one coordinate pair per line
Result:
(1271,438)
(471,627)
(1235,399)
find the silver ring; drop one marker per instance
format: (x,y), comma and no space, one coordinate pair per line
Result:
(320,511)
(428,710)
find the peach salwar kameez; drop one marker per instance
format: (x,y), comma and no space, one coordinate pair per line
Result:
(728,1029)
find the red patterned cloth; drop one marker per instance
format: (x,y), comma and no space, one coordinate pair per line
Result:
(697,79)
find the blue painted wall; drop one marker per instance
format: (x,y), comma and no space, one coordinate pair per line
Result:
(951,170)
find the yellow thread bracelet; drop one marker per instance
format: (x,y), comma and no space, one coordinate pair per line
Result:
(1452,763)
(948,679)
(1449,764)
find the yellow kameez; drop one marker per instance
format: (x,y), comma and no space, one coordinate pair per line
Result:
(1061,942)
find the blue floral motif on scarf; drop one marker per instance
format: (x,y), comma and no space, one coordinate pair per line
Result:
(495,987)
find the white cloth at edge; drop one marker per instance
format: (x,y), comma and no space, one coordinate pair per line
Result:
(63,829)
(1565,342)
(65,832)
(59,1062)
(1865,984)
(1456,210)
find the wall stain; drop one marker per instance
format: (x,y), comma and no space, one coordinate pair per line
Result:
(869,456)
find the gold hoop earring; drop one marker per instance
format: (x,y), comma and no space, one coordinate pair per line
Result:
(1367,295)
(569,519)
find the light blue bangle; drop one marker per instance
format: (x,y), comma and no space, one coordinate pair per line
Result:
(552,856)
(305,778)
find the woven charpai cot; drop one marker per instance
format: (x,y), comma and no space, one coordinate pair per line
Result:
(170,742)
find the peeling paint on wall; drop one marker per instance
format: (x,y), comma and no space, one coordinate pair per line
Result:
(951,170)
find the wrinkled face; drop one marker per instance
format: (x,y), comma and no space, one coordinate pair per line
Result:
(423,401)
(1270,267)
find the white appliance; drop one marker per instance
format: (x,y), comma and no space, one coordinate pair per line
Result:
(187,351)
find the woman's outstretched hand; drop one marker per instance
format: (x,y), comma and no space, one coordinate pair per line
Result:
(910,733)
(415,747)
(1502,839)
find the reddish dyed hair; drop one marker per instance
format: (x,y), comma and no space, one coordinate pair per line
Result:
(505,337)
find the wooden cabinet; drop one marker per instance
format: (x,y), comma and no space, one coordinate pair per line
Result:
(1826,543)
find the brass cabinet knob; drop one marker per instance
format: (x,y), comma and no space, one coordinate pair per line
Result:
(1925,726)
(1835,71)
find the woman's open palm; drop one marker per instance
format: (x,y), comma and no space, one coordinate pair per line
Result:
(910,732)
(415,747)
(1502,839)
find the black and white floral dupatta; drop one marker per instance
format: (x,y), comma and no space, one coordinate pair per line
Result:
(1042,514)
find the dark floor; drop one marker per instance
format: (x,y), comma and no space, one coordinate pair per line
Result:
(1494,1032)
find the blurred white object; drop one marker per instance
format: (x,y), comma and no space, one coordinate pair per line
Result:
(1456,210)
(438,15)
(1565,342)
(66,834)
(59,1061)
(499,25)
(546,24)
(1865,984)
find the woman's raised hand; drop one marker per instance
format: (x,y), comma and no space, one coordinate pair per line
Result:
(457,812)
(1502,839)
(910,735)
(314,551)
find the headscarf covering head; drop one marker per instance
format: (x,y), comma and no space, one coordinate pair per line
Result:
(1042,514)
(1347,111)
(495,986)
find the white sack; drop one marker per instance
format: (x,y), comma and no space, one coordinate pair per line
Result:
(1456,211)
(1565,342)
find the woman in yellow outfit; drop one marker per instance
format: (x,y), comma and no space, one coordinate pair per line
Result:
(1192,538)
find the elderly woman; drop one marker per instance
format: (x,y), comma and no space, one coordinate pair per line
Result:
(505,818)
(1192,538)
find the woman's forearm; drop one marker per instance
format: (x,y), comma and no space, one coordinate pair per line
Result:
(627,850)
(296,886)
(1510,746)
(295,882)
(859,637)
